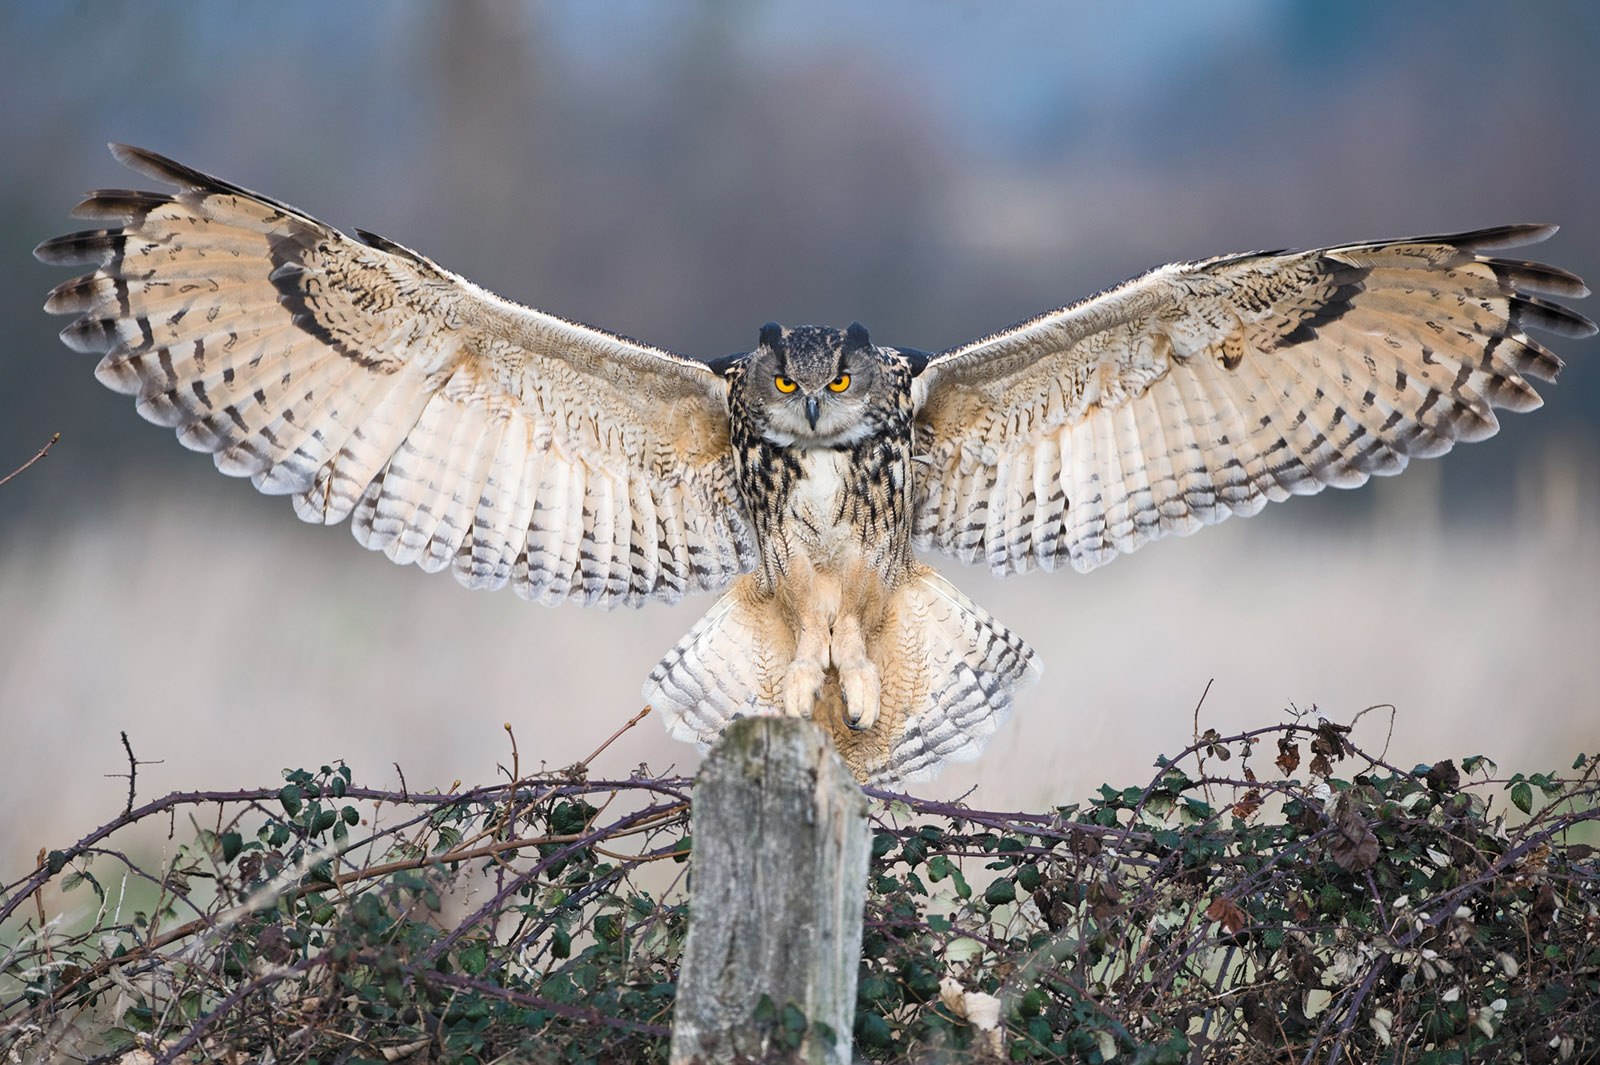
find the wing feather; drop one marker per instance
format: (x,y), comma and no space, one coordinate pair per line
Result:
(501,513)
(1207,389)
(600,508)
(457,498)
(460,429)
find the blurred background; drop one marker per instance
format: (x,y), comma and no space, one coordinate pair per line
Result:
(684,172)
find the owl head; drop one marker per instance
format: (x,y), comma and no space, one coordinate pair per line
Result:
(814,386)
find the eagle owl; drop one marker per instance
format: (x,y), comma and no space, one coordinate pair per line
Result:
(461,431)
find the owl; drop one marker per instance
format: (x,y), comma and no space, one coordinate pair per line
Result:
(460,431)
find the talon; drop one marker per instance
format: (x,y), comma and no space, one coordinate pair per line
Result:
(860,688)
(801,686)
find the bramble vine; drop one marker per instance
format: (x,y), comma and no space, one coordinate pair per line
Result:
(1273,895)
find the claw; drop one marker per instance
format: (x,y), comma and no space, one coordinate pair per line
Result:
(801,686)
(860,688)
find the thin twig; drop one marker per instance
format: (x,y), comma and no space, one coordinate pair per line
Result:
(632,721)
(41,453)
(132,773)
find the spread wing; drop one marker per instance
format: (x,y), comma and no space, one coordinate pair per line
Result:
(1206,389)
(460,429)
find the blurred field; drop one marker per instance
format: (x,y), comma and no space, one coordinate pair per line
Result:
(231,642)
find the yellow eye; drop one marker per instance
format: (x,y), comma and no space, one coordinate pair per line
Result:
(784,384)
(840,383)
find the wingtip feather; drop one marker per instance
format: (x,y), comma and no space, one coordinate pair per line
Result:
(1511,236)
(154,165)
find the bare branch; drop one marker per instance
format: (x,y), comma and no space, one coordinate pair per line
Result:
(41,453)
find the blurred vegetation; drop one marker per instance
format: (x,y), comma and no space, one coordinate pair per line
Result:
(1269,896)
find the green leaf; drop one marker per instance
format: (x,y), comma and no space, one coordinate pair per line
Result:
(874,988)
(474,959)
(289,795)
(232,844)
(873,1031)
(999,892)
(914,851)
(1522,796)
(560,944)
(55,862)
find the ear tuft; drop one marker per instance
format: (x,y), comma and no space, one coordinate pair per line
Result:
(856,336)
(772,336)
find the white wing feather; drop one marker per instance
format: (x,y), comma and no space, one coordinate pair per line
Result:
(462,431)
(1206,389)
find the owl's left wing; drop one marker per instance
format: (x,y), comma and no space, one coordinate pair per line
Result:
(458,430)
(1207,389)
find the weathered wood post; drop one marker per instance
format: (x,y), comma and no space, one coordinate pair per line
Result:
(778,881)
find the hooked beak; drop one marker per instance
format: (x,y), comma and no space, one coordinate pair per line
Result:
(812,410)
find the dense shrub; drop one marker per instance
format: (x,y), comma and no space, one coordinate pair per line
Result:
(1277,895)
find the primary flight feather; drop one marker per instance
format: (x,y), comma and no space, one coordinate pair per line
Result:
(459,430)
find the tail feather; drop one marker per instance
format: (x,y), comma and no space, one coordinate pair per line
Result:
(729,665)
(957,669)
(948,673)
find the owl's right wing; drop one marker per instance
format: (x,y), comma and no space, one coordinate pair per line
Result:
(1207,389)
(463,431)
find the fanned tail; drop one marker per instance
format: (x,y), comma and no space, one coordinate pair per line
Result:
(949,673)
(729,665)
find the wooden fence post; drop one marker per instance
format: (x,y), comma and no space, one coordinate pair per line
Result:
(778,880)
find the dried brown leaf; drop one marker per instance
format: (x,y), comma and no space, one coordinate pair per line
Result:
(1329,740)
(1545,908)
(1444,777)
(1288,755)
(1225,913)
(1353,846)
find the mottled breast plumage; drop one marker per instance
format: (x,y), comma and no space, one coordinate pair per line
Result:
(841,479)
